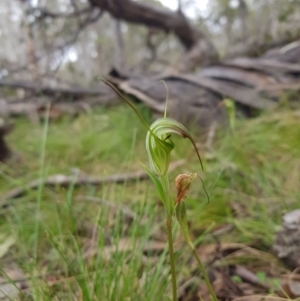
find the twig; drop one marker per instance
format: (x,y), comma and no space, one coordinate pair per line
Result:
(63,181)
(250,277)
(45,13)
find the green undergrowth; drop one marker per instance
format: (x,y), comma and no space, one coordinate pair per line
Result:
(92,242)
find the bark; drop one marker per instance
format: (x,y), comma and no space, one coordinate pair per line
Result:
(199,48)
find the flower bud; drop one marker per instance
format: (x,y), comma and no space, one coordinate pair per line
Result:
(182,184)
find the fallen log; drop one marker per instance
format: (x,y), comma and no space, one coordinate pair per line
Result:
(73,93)
(253,83)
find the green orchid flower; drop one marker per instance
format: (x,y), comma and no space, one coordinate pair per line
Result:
(159,144)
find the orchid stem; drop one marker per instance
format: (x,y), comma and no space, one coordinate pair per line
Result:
(203,271)
(172,259)
(169,207)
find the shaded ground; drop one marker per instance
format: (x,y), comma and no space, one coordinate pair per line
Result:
(108,242)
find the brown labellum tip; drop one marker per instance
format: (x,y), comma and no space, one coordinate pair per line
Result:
(182,184)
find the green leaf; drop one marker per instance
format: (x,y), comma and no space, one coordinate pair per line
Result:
(157,184)
(236,279)
(261,276)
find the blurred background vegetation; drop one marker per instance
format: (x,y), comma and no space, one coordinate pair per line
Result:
(100,234)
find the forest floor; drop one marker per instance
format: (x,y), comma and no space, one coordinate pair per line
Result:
(108,242)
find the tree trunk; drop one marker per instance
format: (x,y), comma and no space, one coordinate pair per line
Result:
(4,150)
(120,60)
(243,15)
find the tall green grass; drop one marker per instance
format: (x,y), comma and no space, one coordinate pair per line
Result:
(252,179)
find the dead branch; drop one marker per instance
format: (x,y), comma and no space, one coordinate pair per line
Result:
(75,93)
(45,13)
(90,19)
(254,47)
(200,49)
(250,277)
(245,95)
(36,108)
(64,181)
